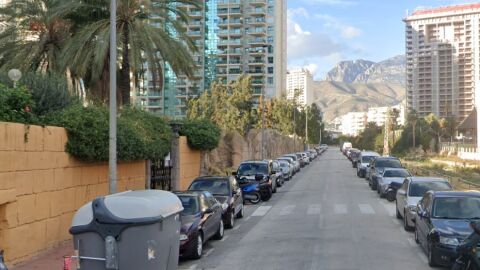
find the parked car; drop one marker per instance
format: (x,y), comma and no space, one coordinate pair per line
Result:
(377,167)
(277,170)
(287,169)
(227,191)
(254,169)
(305,157)
(353,156)
(363,162)
(411,191)
(293,159)
(390,175)
(301,159)
(345,146)
(442,222)
(314,153)
(201,220)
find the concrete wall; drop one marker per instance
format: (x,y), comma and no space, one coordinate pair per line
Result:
(189,163)
(41,187)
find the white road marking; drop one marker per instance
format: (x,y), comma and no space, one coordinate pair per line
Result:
(194,266)
(411,242)
(209,252)
(340,209)
(287,210)
(261,211)
(314,209)
(224,238)
(395,220)
(390,208)
(237,227)
(247,218)
(422,256)
(366,209)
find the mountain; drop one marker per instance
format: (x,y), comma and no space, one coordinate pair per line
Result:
(348,71)
(357,85)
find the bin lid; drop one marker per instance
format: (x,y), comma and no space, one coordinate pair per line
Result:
(133,205)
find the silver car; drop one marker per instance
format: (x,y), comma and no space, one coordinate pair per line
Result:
(287,169)
(294,159)
(363,161)
(390,175)
(412,191)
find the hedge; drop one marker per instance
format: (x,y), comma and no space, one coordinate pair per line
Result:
(201,134)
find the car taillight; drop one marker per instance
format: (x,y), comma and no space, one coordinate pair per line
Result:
(67,263)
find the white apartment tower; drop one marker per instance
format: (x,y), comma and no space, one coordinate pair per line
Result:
(443,61)
(300,80)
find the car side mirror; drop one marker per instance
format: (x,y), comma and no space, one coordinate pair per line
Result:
(208,211)
(423,214)
(234,173)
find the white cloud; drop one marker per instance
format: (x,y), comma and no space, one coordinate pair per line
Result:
(292,12)
(346,31)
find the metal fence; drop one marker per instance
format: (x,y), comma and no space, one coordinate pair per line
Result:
(161,175)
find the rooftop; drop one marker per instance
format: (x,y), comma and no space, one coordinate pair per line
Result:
(439,11)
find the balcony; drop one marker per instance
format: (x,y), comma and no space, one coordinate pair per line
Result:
(230,42)
(256,71)
(256,21)
(256,11)
(228,2)
(195,13)
(257,41)
(257,2)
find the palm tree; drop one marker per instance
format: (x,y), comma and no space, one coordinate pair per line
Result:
(141,44)
(32,36)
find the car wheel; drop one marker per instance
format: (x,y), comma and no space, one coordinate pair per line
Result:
(405,223)
(274,189)
(197,247)
(358,173)
(240,213)
(220,232)
(231,221)
(416,235)
(431,258)
(399,216)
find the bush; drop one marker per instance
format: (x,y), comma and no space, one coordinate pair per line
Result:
(140,134)
(201,134)
(16,105)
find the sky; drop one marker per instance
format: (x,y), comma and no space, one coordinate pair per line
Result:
(323,32)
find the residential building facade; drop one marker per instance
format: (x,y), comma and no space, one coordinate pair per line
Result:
(300,81)
(379,115)
(233,37)
(443,61)
(353,123)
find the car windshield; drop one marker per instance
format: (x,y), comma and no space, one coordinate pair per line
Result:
(247,169)
(190,205)
(417,189)
(367,159)
(216,187)
(388,163)
(396,173)
(284,164)
(456,208)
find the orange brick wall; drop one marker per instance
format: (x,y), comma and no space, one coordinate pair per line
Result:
(189,163)
(41,187)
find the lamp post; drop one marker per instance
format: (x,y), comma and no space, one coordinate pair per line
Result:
(263,107)
(14,75)
(112,154)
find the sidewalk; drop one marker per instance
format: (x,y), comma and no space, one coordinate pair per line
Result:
(50,260)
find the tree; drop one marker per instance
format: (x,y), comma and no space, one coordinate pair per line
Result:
(412,120)
(314,117)
(33,36)
(140,43)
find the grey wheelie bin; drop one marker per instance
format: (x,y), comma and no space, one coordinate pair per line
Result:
(128,231)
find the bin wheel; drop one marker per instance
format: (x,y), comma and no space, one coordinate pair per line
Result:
(220,232)
(197,247)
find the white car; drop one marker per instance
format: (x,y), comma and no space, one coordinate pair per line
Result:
(363,161)
(412,191)
(390,175)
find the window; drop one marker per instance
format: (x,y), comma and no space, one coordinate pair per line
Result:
(270,80)
(417,189)
(270,60)
(270,70)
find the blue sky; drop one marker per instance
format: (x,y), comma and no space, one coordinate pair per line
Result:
(324,32)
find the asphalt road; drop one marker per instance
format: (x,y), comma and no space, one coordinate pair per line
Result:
(324,218)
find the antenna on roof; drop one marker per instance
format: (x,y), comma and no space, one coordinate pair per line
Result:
(406,13)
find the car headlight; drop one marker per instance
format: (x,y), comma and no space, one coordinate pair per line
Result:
(224,206)
(449,241)
(183,237)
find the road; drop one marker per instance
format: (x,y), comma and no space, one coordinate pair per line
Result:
(324,218)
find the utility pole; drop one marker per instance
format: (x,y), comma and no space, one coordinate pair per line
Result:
(306,126)
(263,122)
(112,154)
(386,147)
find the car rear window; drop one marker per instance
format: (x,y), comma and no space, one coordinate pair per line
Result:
(216,187)
(399,173)
(367,159)
(388,163)
(190,205)
(247,169)
(418,189)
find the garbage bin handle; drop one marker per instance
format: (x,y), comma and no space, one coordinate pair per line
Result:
(107,224)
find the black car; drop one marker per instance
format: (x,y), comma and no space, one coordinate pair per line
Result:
(442,222)
(262,172)
(227,191)
(201,220)
(377,166)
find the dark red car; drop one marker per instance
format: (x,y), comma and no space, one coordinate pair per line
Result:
(201,220)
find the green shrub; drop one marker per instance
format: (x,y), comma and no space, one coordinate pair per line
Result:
(140,134)
(201,134)
(16,105)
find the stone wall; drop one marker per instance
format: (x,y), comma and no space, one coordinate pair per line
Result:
(189,163)
(41,187)
(234,148)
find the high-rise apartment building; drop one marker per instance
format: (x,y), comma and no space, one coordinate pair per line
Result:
(233,37)
(443,61)
(353,123)
(300,82)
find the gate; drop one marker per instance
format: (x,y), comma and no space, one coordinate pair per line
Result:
(161,175)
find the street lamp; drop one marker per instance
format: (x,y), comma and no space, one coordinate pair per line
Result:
(112,153)
(14,75)
(263,107)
